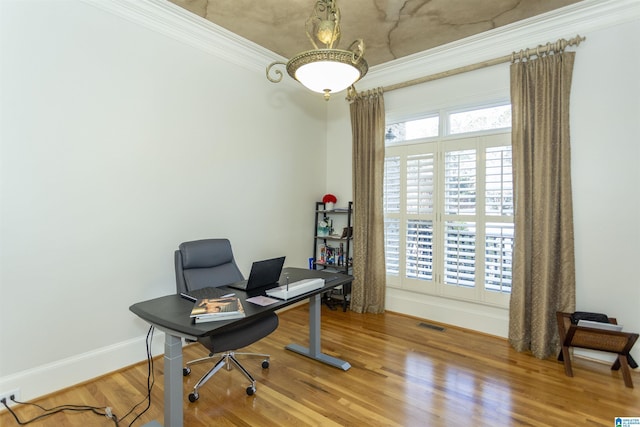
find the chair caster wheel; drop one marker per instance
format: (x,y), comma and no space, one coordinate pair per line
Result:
(186,371)
(193,397)
(251,390)
(265,364)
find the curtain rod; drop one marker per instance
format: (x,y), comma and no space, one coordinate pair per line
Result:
(558,46)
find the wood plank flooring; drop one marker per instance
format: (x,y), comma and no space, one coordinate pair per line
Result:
(402,374)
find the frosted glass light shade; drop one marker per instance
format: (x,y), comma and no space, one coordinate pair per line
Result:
(327,70)
(327,76)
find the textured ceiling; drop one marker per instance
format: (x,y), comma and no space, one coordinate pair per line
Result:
(391,29)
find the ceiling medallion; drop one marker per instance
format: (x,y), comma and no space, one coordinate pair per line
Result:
(325,69)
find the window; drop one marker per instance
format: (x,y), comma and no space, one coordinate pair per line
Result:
(480,119)
(412,129)
(448,205)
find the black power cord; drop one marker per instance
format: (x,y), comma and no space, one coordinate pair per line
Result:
(151,379)
(101,411)
(52,411)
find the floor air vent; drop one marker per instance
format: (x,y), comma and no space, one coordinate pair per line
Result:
(430,326)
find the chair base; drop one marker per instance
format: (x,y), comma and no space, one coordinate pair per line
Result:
(227,359)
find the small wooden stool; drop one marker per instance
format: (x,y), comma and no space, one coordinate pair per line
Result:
(595,339)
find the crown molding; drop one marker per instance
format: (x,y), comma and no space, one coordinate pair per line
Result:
(173,21)
(579,18)
(567,22)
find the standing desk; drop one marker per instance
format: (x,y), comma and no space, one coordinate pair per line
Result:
(170,314)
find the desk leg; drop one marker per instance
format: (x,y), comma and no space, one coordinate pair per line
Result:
(315,351)
(172,381)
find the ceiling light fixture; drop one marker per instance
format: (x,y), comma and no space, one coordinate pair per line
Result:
(328,69)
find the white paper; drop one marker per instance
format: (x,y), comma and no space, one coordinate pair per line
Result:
(262,300)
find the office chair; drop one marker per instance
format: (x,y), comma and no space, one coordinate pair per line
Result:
(210,262)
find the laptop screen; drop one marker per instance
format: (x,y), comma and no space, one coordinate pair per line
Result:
(265,272)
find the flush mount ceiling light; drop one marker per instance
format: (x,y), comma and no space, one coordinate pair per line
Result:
(325,69)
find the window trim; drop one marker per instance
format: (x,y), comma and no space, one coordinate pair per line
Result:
(479,141)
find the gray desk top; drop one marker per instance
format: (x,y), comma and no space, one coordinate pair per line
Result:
(171,312)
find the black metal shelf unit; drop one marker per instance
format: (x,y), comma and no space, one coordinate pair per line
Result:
(332,245)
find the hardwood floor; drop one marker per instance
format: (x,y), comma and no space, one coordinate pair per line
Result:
(402,374)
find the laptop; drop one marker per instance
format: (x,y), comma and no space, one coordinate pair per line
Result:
(263,273)
(600,325)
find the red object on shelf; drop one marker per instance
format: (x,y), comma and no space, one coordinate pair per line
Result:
(329,198)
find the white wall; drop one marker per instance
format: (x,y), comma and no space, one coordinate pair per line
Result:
(605,130)
(605,112)
(118,143)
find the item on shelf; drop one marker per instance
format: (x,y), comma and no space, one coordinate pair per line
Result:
(323,228)
(331,255)
(329,201)
(328,255)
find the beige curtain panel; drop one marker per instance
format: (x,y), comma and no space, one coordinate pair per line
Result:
(367,126)
(543,266)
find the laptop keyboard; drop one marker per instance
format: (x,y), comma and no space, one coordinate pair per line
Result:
(209,292)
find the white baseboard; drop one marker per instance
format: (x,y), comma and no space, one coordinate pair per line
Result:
(598,356)
(482,318)
(486,319)
(61,374)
